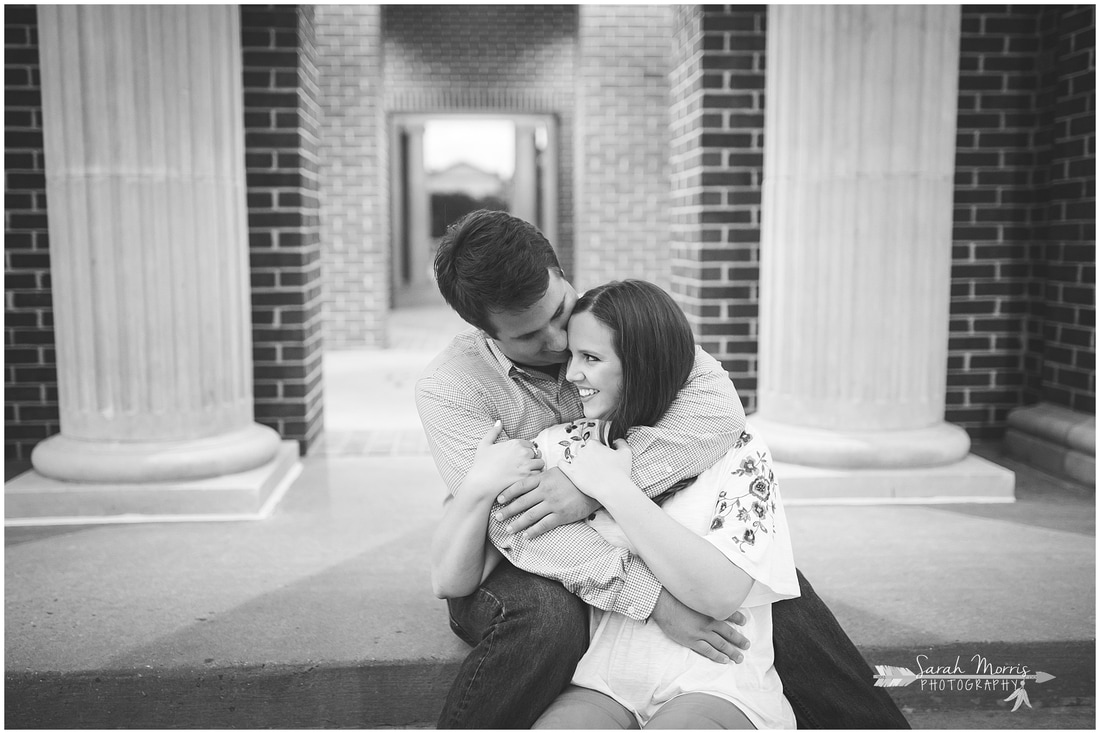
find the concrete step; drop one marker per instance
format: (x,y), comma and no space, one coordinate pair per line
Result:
(1055,440)
(321,616)
(410,693)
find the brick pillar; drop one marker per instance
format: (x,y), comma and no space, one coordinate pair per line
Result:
(622,154)
(717,164)
(282,132)
(856,236)
(149,248)
(524,189)
(355,220)
(419,229)
(30,371)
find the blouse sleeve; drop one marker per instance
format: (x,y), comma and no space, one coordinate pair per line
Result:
(748,523)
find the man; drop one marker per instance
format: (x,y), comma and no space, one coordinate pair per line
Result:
(527,623)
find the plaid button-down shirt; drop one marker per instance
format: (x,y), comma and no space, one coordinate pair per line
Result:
(472,383)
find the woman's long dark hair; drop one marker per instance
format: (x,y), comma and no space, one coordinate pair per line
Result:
(654,343)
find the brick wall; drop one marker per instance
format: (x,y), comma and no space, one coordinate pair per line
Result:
(995,215)
(30,372)
(485,58)
(717,130)
(281,142)
(354,182)
(1011,230)
(622,225)
(1065,264)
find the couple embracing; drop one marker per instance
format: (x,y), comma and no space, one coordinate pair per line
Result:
(614,546)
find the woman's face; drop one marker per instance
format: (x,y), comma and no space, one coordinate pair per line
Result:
(594,367)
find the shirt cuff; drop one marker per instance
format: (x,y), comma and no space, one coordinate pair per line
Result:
(640,591)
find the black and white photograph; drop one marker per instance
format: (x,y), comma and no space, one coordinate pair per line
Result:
(550,366)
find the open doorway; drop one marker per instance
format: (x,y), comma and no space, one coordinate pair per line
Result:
(446,165)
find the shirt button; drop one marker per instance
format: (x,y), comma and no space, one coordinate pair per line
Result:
(630,609)
(668,469)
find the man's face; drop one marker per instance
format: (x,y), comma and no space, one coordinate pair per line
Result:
(536,335)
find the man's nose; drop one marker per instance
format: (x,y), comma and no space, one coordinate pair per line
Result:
(558,341)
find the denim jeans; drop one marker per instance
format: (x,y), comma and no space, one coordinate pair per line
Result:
(826,680)
(529,633)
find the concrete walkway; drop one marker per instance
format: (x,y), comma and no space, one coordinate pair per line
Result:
(322,615)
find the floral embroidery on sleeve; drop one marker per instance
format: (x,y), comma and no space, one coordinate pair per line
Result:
(578,431)
(755,508)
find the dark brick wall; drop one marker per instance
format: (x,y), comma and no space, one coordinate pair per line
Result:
(995,215)
(30,371)
(1064,322)
(1023,207)
(281,142)
(717,167)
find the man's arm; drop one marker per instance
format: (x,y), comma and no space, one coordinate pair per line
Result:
(701,425)
(603,575)
(578,556)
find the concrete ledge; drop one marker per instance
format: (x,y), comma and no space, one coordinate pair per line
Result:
(32,499)
(971,480)
(410,692)
(1054,439)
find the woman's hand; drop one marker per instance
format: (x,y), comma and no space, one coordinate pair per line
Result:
(597,469)
(498,465)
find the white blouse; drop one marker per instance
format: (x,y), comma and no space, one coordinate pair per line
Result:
(736,506)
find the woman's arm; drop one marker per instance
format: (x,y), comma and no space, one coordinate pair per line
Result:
(689,567)
(461,556)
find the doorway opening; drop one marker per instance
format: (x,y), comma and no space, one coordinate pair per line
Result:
(446,165)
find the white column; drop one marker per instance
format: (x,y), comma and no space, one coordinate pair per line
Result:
(143,128)
(856,241)
(524,189)
(419,229)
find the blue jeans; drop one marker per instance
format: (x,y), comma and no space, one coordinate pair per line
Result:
(827,681)
(529,633)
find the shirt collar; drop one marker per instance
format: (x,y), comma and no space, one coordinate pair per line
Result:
(506,364)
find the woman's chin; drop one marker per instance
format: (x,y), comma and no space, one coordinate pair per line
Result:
(593,414)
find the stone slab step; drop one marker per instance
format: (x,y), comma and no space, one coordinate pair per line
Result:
(1054,439)
(409,693)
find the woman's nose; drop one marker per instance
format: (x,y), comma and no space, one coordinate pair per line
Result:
(572,373)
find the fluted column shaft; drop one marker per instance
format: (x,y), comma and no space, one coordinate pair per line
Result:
(856,240)
(144,158)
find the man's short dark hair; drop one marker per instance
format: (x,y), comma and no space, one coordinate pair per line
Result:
(489,261)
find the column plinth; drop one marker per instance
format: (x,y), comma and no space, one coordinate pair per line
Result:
(144,158)
(856,237)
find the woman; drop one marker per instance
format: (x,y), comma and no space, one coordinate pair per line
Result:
(719,545)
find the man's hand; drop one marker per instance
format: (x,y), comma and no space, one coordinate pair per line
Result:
(711,638)
(543,502)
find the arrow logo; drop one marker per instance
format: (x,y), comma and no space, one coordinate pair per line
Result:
(889,676)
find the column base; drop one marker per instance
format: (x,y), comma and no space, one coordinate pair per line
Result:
(938,445)
(971,480)
(32,499)
(137,462)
